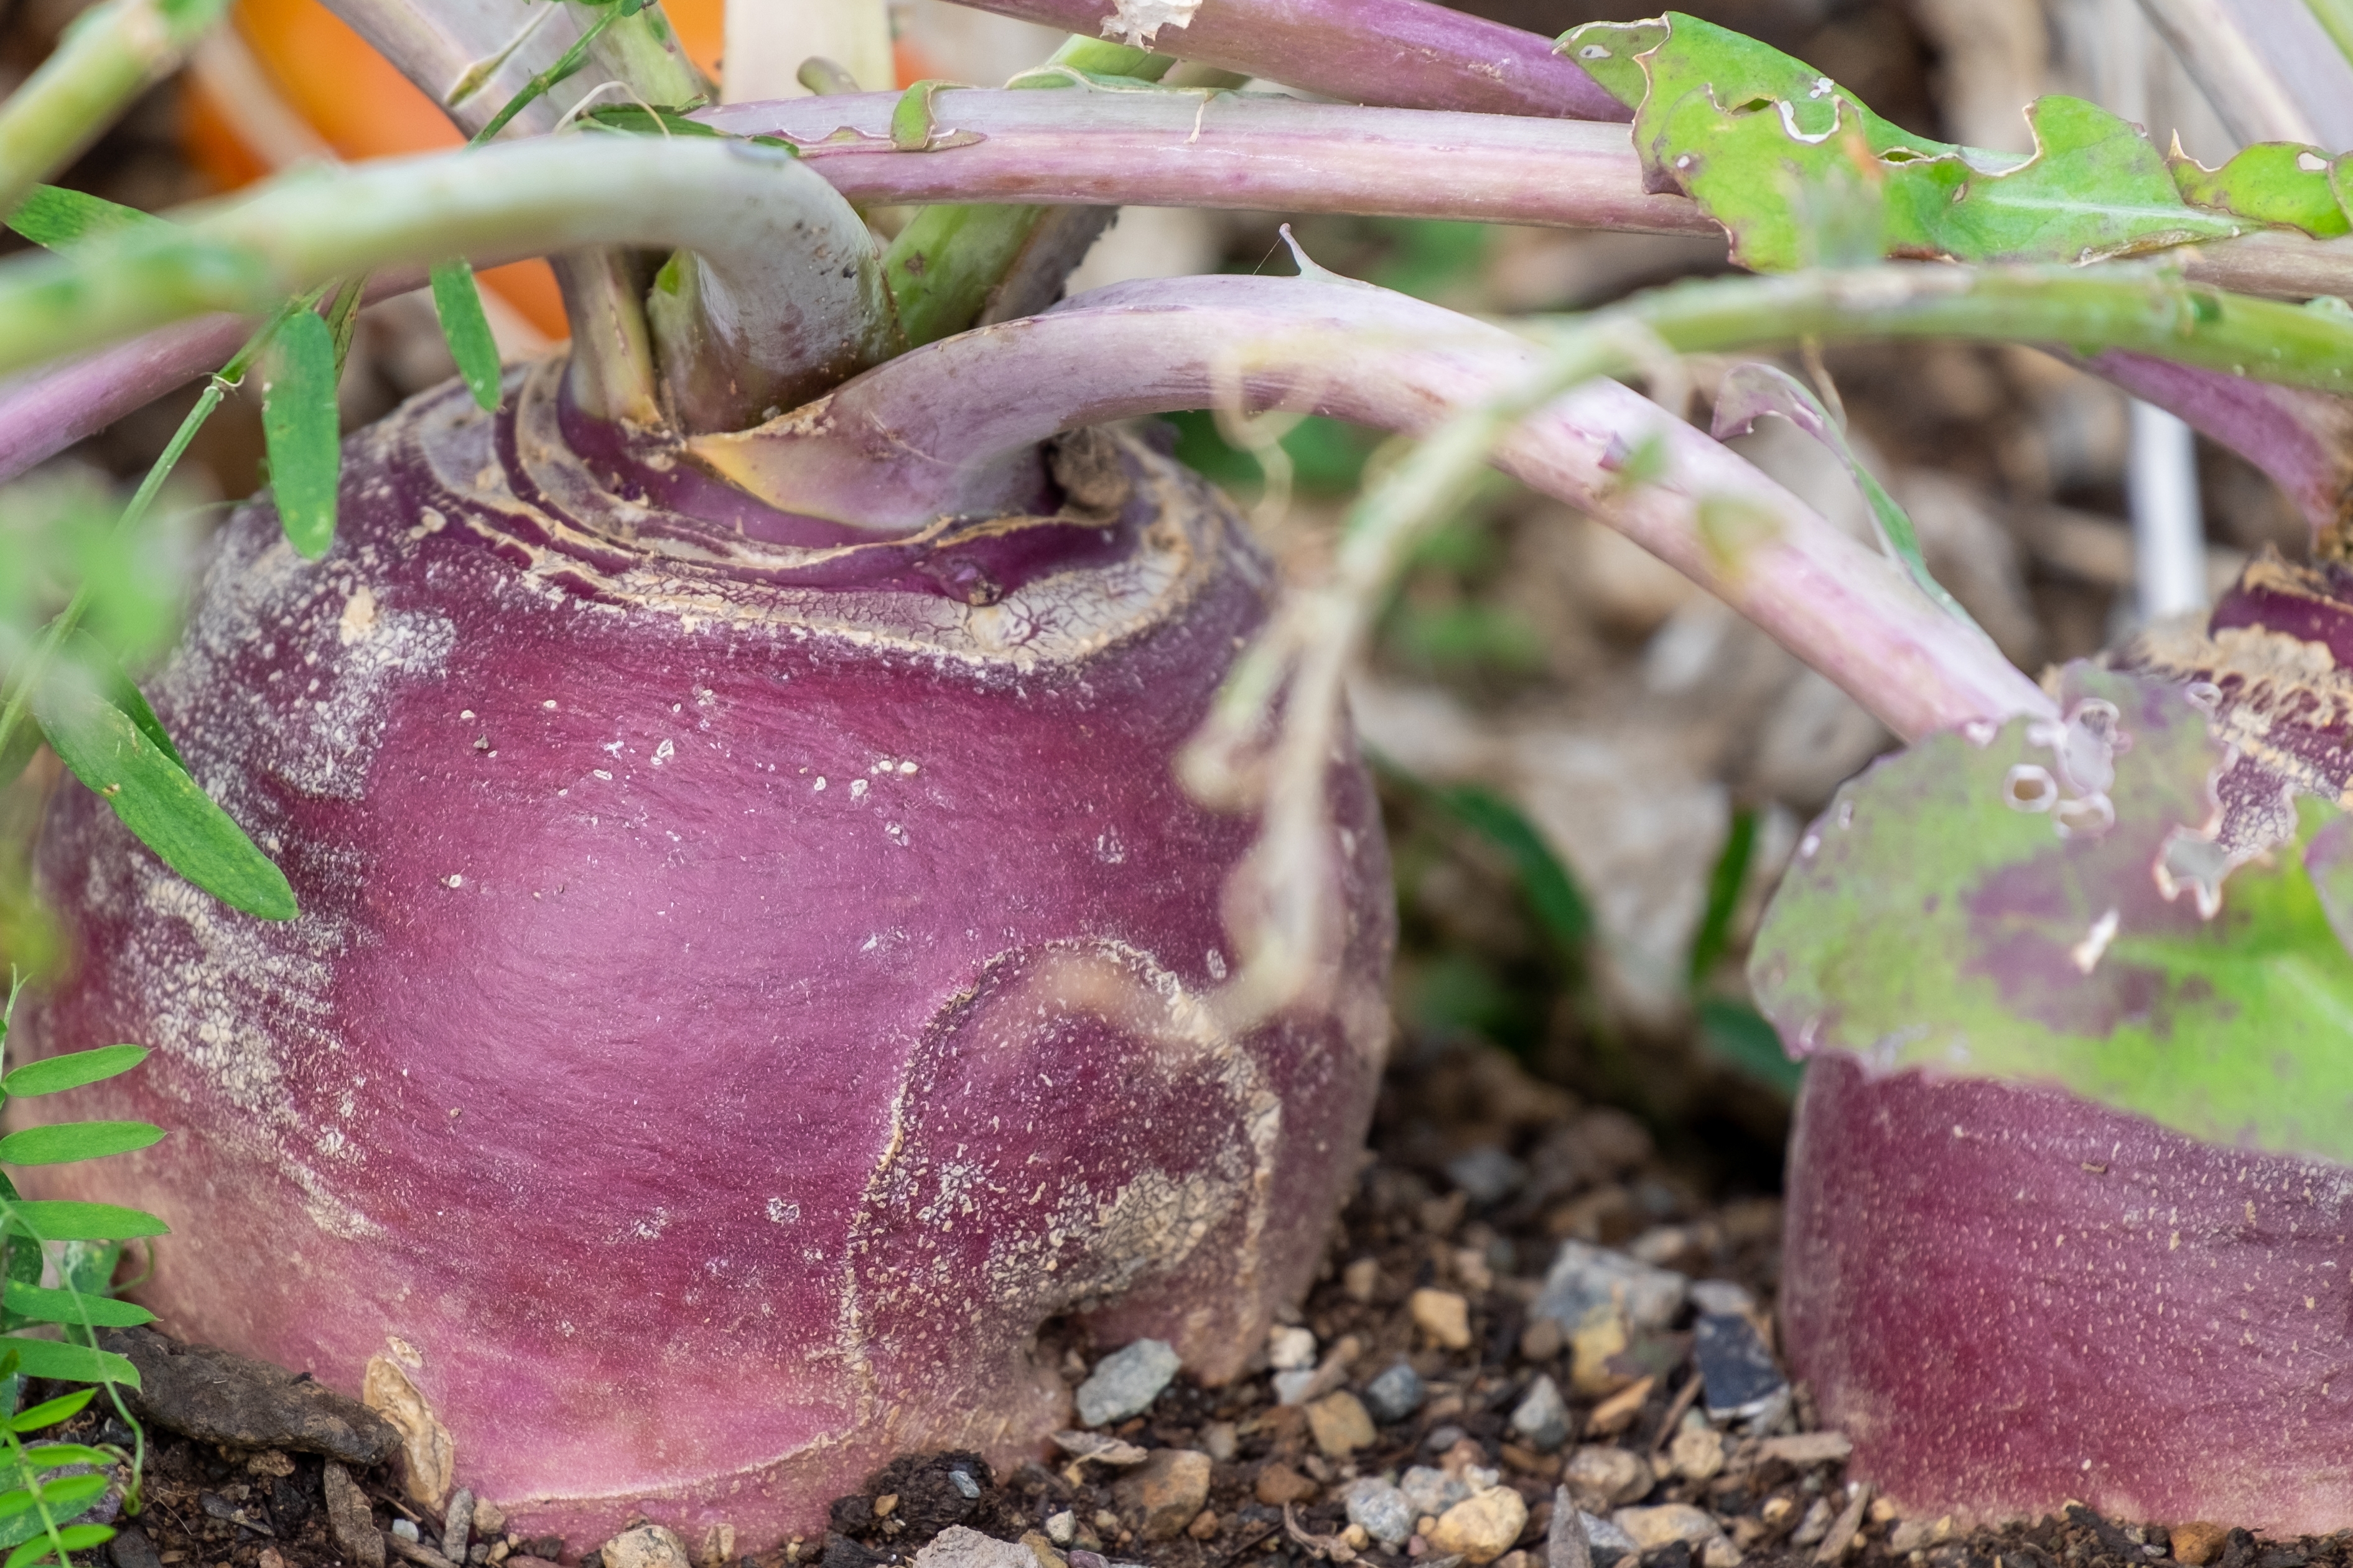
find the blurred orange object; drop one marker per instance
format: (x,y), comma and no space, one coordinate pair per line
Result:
(290,82)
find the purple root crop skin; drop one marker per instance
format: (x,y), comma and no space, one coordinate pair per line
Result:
(2008,1296)
(743,988)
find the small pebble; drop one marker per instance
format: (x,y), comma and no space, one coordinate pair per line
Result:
(1395,1394)
(1444,1316)
(1219,1439)
(1290,1348)
(1278,1484)
(1652,1528)
(1722,1298)
(1807,1448)
(1126,1382)
(2197,1542)
(1608,1541)
(1719,1552)
(1431,1492)
(1697,1456)
(959,1547)
(1483,1528)
(1381,1509)
(1341,1424)
(965,1484)
(1292,1387)
(406,1528)
(1736,1368)
(1602,1476)
(1542,1416)
(1362,1280)
(647,1546)
(1815,1525)
(1062,1528)
(1486,1174)
(1164,1492)
(1584,1277)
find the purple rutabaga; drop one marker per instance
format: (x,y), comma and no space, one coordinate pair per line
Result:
(752,974)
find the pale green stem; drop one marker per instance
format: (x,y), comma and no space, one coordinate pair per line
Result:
(108,57)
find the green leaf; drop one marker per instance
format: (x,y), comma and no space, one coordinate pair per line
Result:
(1724,883)
(58,1455)
(1801,173)
(76,1363)
(127,699)
(1751,391)
(1552,893)
(158,801)
(49,1412)
(1739,1036)
(60,220)
(1973,911)
(60,1219)
(1608,51)
(32,1304)
(303,430)
(75,1538)
(2285,184)
(54,1075)
(65,1142)
(460,305)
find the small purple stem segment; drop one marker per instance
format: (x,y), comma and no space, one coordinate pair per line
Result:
(1259,152)
(942,431)
(43,412)
(2302,439)
(1406,53)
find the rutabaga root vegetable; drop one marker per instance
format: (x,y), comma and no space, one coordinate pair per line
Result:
(752,974)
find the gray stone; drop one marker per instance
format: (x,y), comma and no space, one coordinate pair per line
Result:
(1381,1510)
(1602,1475)
(1292,1387)
(1290,1348)
(1584,1279)
(1486,1174)
(1566,1543)
(216,1397)
(1722,1296)
(458,1525)
(1429,1491)
(1396,1394)
(959,1547)
(1126,1382)
(1608,1541)
(1543,1416)
(132,1549)
(1736,1368)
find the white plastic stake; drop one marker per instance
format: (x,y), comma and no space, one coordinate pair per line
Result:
(2168,531)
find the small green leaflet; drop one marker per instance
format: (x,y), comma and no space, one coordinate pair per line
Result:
(157,800)
(65,1220)
(33,1304)
(458,303)
(303,430)
(63,1142)
(75,1538)
(1751,391)
(1969,910)
(80,1363)
(49,1412)
(65,1494)
(54,1074)
(58,219)
(58,1455)
(119,689)
(1786,159)
(2280,182)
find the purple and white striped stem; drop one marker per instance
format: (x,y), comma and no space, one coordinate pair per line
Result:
(1404,52)
(921,436)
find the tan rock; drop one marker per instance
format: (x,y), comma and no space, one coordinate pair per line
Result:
(1161,1496)
(1341,1424)
(2197,1542)
(351,1520)
(1444,1316)
(1718,1552)
(658,1546)
(1652,1528)
(1362,1280)
(1600,1478)
(1807,1448)
(1481,1528)
(1597,1342)
(1698,1455)
(1617,1413)
(957,1547)
(1279,1484)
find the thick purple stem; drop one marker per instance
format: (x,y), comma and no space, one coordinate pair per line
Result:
(941,431)
(1257,152)
(2302,439)
(1408,53)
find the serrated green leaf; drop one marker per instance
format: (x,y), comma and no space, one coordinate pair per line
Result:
(158,801)
(303,430)
(75,1538)
(1963,910)
(33,1304)
(460,305)
(2285,184)
(1801,173)
(58,219)
(61,1219)
(49,1412)
(75,1364)
(54,1075)
(65,1142)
